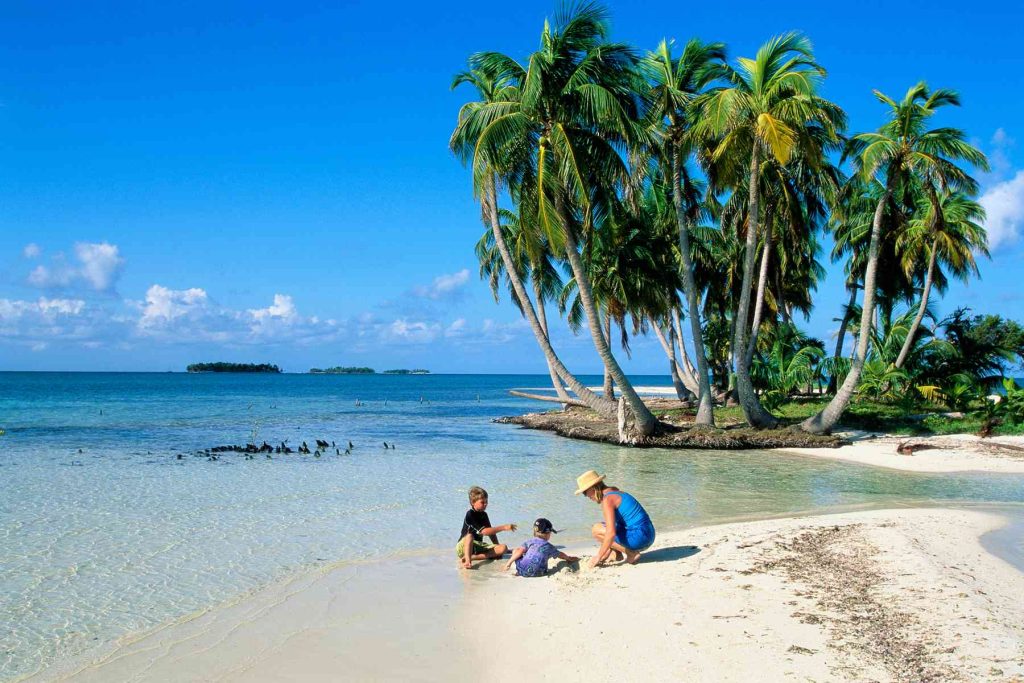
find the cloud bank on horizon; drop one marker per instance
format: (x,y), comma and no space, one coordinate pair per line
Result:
(90,314)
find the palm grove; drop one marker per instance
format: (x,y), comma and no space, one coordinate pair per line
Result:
(679,192)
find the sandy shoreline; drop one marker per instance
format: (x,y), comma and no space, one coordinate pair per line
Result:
(957,453)
(884,595)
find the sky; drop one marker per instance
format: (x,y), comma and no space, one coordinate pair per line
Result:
(271,182)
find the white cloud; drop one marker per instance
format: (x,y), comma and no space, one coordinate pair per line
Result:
(36,322)
(444,286)
(415,332)
(101,264)
(46,308)
(456,329)
(1004,209)
(279,318)
(98,267)
(283,308)
(163,306)
(32,250)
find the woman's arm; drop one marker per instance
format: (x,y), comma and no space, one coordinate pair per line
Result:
(608,508)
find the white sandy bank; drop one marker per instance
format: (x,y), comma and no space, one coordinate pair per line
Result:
(958,453)
(882,595)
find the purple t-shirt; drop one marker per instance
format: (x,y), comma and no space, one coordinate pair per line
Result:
(534,561)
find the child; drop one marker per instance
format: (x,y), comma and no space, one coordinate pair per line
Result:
(475,526)
(531,559)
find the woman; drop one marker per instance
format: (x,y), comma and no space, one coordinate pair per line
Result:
(627,529)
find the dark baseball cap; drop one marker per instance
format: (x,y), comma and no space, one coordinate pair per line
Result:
(544,526)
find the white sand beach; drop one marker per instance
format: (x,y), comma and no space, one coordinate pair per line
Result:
(908,594)
(953,453)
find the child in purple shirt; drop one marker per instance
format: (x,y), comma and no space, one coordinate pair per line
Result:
(531,558)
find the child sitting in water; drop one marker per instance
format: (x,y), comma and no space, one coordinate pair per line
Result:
(475,526)
(531,558)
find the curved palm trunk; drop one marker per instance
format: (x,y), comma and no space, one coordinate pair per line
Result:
(592,400)
(608,386)
(908,343)
(686,369)
(780,298)
(755,413)
(824,421)
(705,409)
(762,283)
(646,423)
(542,317)
(684,390)
(833,381)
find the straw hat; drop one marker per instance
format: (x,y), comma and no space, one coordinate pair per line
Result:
(586,480)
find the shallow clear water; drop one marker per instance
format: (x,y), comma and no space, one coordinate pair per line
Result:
(104,531)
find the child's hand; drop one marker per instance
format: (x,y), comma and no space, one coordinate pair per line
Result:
(572,559)
(508,565)
(511,527)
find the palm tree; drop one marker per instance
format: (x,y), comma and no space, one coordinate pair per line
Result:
(901,153)
(473,142)
(577,108)
(768,107)
(533,262)
(949,234)
(675,83)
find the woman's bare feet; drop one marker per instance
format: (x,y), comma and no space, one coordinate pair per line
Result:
(632,557)
(616,555)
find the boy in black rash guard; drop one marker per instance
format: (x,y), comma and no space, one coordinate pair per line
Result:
(475,526)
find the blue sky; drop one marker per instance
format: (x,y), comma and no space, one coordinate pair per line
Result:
(271,182)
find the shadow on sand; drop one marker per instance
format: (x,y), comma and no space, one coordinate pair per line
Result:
(679,552)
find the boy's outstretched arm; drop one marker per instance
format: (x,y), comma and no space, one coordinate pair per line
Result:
(568,558)
(493,531)
(516,554)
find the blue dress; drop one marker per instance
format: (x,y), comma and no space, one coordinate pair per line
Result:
(633,526)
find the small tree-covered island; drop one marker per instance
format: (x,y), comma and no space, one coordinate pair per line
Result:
(233,367)
(686,192)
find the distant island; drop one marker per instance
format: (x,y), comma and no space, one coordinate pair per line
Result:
(233,367)
(342,371)
(364,371)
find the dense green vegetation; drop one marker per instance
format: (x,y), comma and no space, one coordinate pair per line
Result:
(232,367)
(402,371)
(681,193)
(342,370)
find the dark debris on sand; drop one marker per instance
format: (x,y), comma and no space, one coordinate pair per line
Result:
(837,567)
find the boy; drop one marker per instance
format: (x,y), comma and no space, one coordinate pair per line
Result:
(531,559)
(475,526)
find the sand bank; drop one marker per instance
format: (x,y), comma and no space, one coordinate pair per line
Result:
(955,453)
(882,595)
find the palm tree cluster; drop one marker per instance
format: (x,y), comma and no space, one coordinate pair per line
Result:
(676,191)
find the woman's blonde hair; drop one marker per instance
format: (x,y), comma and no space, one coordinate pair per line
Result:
(599,489)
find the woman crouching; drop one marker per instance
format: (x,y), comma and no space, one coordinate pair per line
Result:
(627,529)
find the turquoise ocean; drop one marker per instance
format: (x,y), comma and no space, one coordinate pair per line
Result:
(113,521)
